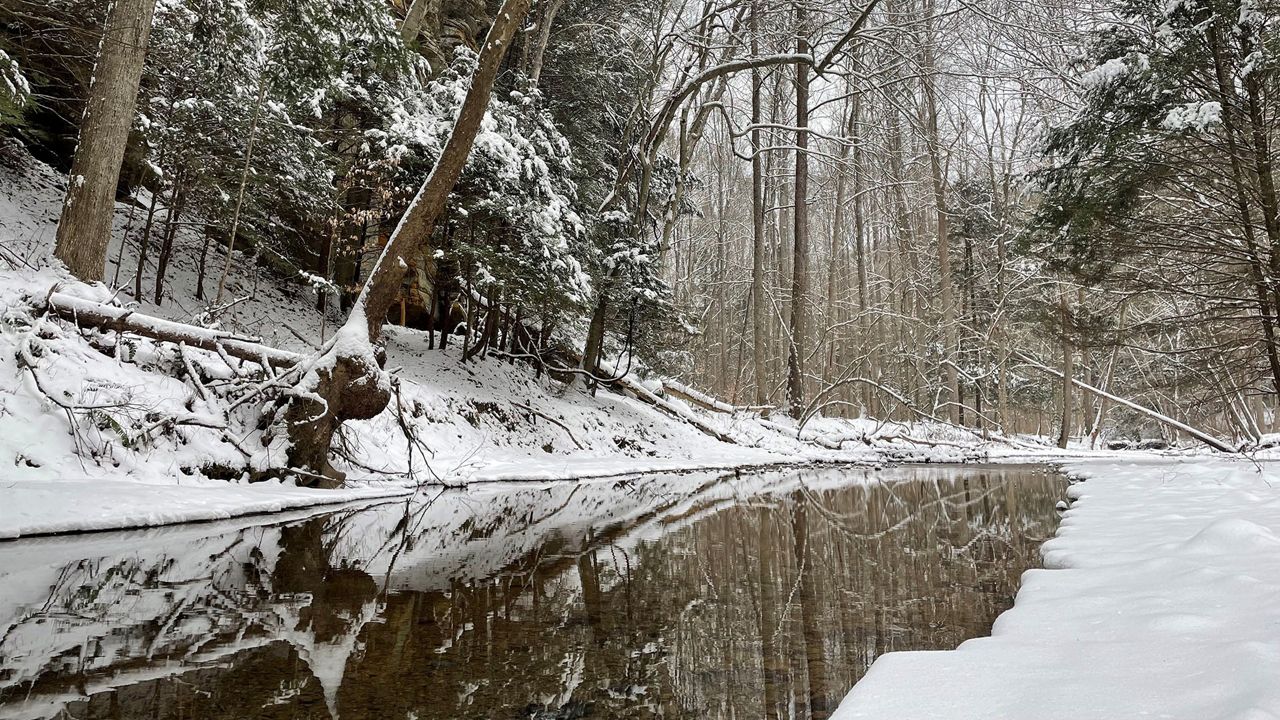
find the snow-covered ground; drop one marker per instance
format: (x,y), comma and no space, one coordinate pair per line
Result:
(1159,599)
(83,444)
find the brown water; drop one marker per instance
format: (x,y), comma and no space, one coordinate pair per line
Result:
(763,596)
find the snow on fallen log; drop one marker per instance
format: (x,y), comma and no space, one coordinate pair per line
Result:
(705,401)
(120,319)
(1200,435)
(688,394)
(643,393)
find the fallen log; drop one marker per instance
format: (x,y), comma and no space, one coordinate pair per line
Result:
(88,313)
(705,401)
(643,393)
(1200,435)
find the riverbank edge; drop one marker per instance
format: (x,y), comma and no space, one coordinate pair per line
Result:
(1162,569)
(192,503)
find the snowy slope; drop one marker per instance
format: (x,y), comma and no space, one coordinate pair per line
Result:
(484,420)
(1159,601)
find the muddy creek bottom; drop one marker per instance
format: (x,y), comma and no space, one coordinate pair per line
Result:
(699,596)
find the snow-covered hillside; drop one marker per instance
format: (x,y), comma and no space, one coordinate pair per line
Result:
(79,406)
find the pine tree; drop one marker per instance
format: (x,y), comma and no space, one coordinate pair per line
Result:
(1167,164)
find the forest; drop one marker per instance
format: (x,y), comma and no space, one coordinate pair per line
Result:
(994,216)
(714,359)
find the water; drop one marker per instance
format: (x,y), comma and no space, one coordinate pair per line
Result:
(698,596)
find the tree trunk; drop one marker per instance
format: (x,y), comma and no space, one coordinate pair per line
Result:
(757,222)
(415,228)
(202,266)
(414,19)
(179,199)
(937,175)
(1165,420)
(84,230)
(1107,376)
(800,247)
(1258,272)
(244,180)
(1068,356)
(143,246)
(544,37)
(346,382)
(835,242)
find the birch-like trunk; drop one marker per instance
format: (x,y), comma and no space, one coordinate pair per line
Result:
(757,222)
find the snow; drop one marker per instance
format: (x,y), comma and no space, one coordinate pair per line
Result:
(111,464)
(1158,601)
(47,505)
(1193,116)
(1114,69)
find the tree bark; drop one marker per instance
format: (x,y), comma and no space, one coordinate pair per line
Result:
(1064,432)
(835,242)
(87,313)
(414,19)
(544,37)
(757,221)
(800,240)
(418,223)
(1264,291)
(346,382)
(244,181)
(84,230)
(937,175)
(172,219)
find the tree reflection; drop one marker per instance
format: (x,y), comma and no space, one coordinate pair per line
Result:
(761,597)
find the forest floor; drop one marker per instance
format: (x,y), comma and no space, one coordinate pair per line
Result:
(1158,600)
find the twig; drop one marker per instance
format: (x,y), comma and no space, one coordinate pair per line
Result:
(552,420)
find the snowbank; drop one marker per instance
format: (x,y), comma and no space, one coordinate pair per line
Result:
(1159,601)
(34,507)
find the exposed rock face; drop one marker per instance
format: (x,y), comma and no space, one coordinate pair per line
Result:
(440,26)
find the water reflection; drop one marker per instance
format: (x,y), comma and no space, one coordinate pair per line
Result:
(746,597)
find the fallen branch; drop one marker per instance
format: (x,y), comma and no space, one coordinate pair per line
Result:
(112,317)
(921,441)
(689,395)
(550,419)
(1203,437)
(643,393)
(705,401)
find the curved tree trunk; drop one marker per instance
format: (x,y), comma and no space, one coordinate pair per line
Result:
(345,381)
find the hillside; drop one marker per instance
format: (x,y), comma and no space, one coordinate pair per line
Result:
(95,407)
